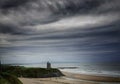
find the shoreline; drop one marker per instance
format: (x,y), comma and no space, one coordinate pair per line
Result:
(91,77)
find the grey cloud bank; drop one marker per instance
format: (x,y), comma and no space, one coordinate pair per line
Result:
(78,30)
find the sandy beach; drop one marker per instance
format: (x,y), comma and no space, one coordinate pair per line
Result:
(71,78)
(59,80)
(92,77)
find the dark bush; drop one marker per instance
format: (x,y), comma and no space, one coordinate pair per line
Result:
(9,79)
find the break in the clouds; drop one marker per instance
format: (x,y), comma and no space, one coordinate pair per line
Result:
(41,30)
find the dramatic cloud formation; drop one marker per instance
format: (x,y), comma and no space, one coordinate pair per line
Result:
(80,30)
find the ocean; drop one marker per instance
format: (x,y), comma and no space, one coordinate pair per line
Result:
(99,69)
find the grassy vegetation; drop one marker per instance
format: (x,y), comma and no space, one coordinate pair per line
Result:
(6,78)
(31,72)
(9,74)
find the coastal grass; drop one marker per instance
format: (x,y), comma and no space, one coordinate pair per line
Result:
(6,78)
(9,74)
(21,71)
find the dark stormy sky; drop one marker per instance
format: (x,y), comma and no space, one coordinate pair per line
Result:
(34,31)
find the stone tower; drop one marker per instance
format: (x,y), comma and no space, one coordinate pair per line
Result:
(48,65)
